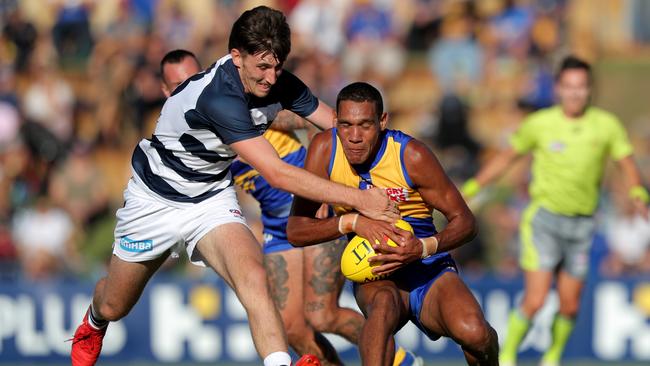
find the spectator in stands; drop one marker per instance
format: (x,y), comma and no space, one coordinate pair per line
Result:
(78,187)
(43,237)
(373,49)
(628,240)
(456,59)
(511,29)
(49,99)
(22,34)
(71,32)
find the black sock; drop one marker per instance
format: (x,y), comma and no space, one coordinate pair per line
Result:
(95,320)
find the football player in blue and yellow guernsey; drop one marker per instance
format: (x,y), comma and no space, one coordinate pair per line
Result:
(305,282)
(422,283)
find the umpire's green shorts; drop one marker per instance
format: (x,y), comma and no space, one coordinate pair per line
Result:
(549,239)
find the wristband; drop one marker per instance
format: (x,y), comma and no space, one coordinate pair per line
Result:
(640,193)
(470,188)
(426,251)
(348,223)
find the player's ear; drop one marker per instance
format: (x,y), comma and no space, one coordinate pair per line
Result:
(165,89)
(383,121)
(236,57)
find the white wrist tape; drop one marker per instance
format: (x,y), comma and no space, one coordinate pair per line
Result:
(348,223)
(429,246)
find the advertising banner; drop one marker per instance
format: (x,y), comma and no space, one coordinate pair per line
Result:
(202,321)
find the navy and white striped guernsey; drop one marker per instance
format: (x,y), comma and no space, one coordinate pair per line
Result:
(188,156)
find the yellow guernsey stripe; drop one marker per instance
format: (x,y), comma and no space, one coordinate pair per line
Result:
(400,354)
(284,142)
(245,180)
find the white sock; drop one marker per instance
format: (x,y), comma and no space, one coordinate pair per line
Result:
(95,320)
(277,359)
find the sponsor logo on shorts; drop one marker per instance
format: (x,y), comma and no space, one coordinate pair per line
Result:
(136,246)
(236,213)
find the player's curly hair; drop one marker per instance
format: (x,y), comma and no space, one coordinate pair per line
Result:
(261,29)
(361,92)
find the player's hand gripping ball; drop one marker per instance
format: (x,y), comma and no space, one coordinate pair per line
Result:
(354,261)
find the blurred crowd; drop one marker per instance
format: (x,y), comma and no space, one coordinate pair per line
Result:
(80,85)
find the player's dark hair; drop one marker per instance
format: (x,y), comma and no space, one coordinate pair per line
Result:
(175,57)
(261,29)
(572,63)
(361,92)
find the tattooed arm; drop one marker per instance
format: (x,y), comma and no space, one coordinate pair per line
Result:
(288,121)
(321,119)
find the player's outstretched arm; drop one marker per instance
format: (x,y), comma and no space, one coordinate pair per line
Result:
(493,169)
(439,192)
(288,121)
(323,116)
(322,119)
(259,153)
(637,192)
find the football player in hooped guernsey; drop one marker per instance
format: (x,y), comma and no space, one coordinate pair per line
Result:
(422,285)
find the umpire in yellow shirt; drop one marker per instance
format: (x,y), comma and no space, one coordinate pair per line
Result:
(569,143)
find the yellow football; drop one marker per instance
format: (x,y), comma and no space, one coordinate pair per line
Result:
(354,261)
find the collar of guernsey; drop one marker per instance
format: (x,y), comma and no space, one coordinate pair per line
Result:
(569,156)
(386,170)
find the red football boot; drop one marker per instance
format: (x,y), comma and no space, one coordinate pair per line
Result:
(86,344)
(308,360)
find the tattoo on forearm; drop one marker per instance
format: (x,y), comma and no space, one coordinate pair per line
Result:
(287,121)
(278,275)
(312,306)
(326,268)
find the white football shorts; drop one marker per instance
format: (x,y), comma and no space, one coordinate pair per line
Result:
(147,227)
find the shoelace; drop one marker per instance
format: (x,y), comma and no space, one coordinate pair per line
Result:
(83,337)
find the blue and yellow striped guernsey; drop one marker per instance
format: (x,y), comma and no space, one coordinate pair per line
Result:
(386,171)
